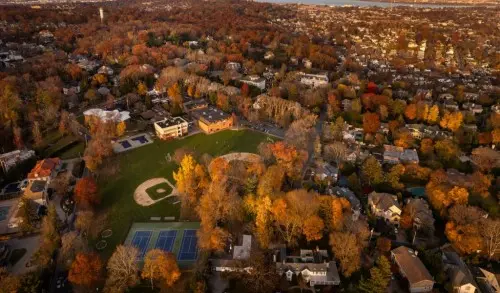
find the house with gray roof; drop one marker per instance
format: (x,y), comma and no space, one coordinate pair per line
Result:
(412,268)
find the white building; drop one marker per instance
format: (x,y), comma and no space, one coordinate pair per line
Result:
(314,80)
(11,159)
(171,128)
(255,80)
(386,206)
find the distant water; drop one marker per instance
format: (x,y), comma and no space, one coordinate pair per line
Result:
(359,3)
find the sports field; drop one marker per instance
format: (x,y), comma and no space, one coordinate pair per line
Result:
(149,161)
(176,237)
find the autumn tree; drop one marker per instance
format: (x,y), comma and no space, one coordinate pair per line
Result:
(123,270)
(85,270)
(481,184)
(18,137)
(71,244)
(411,111)
(486,158)
(191,180)
(271,181)
(160,266)
(371,171)
(451,120)
(291,212)
(301,132)
(347,252)
(211,238)
(490,232)
(37,133)
(463,228)
(371,122)
(99,147)
(313,228)
(86,194)
(384,245)
(289,158)
(416,213)
(392,178)
(10,282)
(446,150)
(50,238)
(336,151)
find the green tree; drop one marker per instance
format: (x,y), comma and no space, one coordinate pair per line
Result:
(371,171)
(380,276)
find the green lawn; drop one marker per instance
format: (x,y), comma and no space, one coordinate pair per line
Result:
(155,195)
(141,164)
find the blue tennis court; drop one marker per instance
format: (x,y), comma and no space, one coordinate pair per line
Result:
(166,240)
(141,241)
(189,246)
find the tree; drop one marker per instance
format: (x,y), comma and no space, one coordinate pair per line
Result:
(271,181)
(371,122)
(160,266)
(10,283)
(490,231)
(486,158)
(91,95)
(142,89)
(481,184)
(394,175)
(411,111)
(37,133)
(433,115)
(71,244)
(10,103)
(123,270)
(416,213)
(49,239)
(380,276)
(347,251)
(452,120)
(85,270)
(371,171)
(463,228)
(291,212)
(313,228)
(191,180)
(86,194)
(18,137)
(384,245)
(427,147)
(212,238)
(301,132)
(120,128)
(336,151)
(289,158)
(446,149)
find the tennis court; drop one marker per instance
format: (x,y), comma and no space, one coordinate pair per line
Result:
(178,238)
(166,240)
(189,246)
(141,241)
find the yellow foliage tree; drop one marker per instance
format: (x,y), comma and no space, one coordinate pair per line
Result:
(160,266)
(120,128)
(190,179)
(496,135)
(313,228)
(452,121)
(142,89)
(433,115)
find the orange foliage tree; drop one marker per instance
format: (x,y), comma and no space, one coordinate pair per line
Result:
(86,194)
(371,122)
(85,270)
(160,266)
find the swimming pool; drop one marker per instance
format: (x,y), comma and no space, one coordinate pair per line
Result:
(4,211)
(418,191)
(125,144)
(141,139)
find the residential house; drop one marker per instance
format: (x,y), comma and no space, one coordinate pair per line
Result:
(488,282)
(45,169)
(240,253)
(386,206)
(211,119)
(461,278)
(311,265)
(171,127)
(412,268)
(474,108)
(255,81)
(327,172)
(423,214)
(233,66)
(71,89)
(313,80)
(394,155)
(11,159)
(105,70)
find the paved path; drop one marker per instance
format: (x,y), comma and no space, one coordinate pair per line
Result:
(31,245)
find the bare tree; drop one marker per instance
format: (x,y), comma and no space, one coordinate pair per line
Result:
(71,244)
(490,230)
(123,271)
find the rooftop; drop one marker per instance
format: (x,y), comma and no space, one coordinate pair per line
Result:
(210,115)
(171,121)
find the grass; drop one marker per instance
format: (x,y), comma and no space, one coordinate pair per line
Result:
(16,255)
(141,164)
(155,195)
(56,145)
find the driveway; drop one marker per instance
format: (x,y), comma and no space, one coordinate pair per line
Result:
(31,245)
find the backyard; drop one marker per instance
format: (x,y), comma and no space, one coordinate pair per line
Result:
(149,161)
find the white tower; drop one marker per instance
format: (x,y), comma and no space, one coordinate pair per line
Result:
(101,14)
